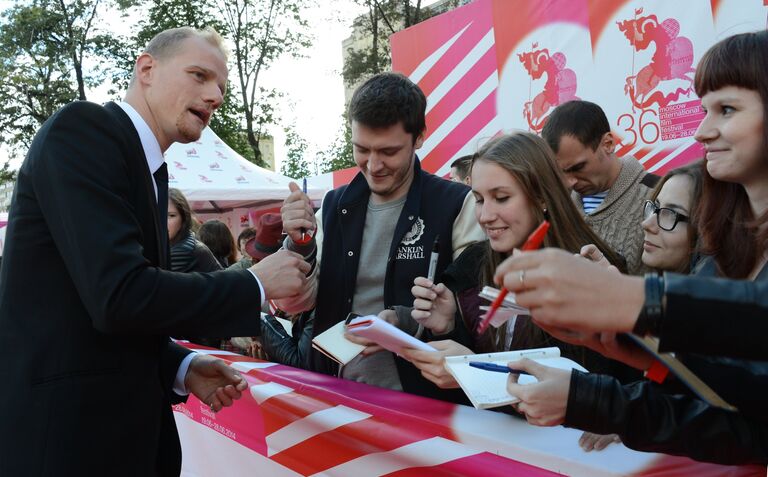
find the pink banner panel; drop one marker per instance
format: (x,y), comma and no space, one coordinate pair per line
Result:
(295,422)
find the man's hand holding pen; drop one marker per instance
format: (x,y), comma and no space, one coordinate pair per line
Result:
(298,216)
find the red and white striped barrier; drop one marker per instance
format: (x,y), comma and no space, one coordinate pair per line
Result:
(295,422)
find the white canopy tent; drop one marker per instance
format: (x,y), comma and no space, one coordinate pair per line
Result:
(216,179)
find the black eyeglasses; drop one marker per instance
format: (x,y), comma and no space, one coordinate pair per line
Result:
(666,218)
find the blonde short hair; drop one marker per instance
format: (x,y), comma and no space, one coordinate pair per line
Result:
(166,43)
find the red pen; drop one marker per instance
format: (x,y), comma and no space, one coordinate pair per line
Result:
(533,242)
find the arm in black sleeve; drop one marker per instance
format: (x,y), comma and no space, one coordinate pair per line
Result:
(102,247)
(281,347)
(172,356)
(729,316)
(651,421)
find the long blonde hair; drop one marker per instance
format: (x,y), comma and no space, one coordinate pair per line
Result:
(531,162)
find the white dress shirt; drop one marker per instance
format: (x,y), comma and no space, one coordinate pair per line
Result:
(154,156)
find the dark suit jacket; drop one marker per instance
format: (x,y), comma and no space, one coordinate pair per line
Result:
(86,364)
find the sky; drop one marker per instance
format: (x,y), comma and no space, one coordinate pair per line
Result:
(313,87)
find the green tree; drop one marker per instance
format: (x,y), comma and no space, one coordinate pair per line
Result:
(295,164)
(382,19)
(339,154)
(6,174)
(261,31)
(43,47)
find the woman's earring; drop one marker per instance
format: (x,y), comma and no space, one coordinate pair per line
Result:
(546,213)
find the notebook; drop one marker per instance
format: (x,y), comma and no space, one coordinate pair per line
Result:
(487,389)
(333,344)
(385,334)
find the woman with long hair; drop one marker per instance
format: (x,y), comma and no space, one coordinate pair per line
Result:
(733,230)
(187,253)
(517,185)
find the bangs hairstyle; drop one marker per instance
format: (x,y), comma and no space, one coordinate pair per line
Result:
(729,230)
(529,159)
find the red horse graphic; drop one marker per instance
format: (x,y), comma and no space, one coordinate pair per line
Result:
(673,59)
(559,88)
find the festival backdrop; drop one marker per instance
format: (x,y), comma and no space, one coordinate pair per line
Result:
(500,65)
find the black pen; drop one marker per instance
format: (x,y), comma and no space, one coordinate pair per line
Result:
(433,260)
(303,231)
(496,368)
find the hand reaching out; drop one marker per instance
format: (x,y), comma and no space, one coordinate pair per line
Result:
(213,382)
(543,403)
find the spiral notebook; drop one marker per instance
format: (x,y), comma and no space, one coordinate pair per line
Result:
(486,389)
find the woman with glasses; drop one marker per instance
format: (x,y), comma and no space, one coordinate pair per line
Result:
(670,236)
(687,315)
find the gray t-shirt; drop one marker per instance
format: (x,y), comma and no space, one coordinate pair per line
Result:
(377,369)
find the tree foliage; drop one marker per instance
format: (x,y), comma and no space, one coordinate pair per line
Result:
(51,52)
(339,154)
(56,51)
(261,31)
(382,19)
(295,164)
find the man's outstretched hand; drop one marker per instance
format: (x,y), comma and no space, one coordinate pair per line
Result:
(214,382)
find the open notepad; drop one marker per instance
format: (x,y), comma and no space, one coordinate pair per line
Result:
(333,344)
(488,389)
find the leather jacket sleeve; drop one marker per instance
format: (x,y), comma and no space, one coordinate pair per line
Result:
(649,420)
(729,316)
(284,349)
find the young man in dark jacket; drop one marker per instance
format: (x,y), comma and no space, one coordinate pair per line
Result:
(375,235)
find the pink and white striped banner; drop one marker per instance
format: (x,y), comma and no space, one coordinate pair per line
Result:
(294,422)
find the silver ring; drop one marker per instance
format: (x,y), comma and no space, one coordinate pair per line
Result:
(212,409)
(522,278)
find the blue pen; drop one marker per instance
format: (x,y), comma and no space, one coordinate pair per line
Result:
(496,368)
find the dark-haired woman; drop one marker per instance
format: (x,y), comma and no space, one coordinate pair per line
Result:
(187,253)
(733,221)
(216,235)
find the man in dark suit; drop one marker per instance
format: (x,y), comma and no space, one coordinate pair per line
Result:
(86,307)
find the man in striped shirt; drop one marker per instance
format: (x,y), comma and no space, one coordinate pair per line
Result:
(610,190)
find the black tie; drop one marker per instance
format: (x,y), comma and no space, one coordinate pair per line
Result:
(161,181)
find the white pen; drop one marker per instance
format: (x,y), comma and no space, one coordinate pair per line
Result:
(433,261)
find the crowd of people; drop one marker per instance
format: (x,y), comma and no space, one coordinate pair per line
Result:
(681,258)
